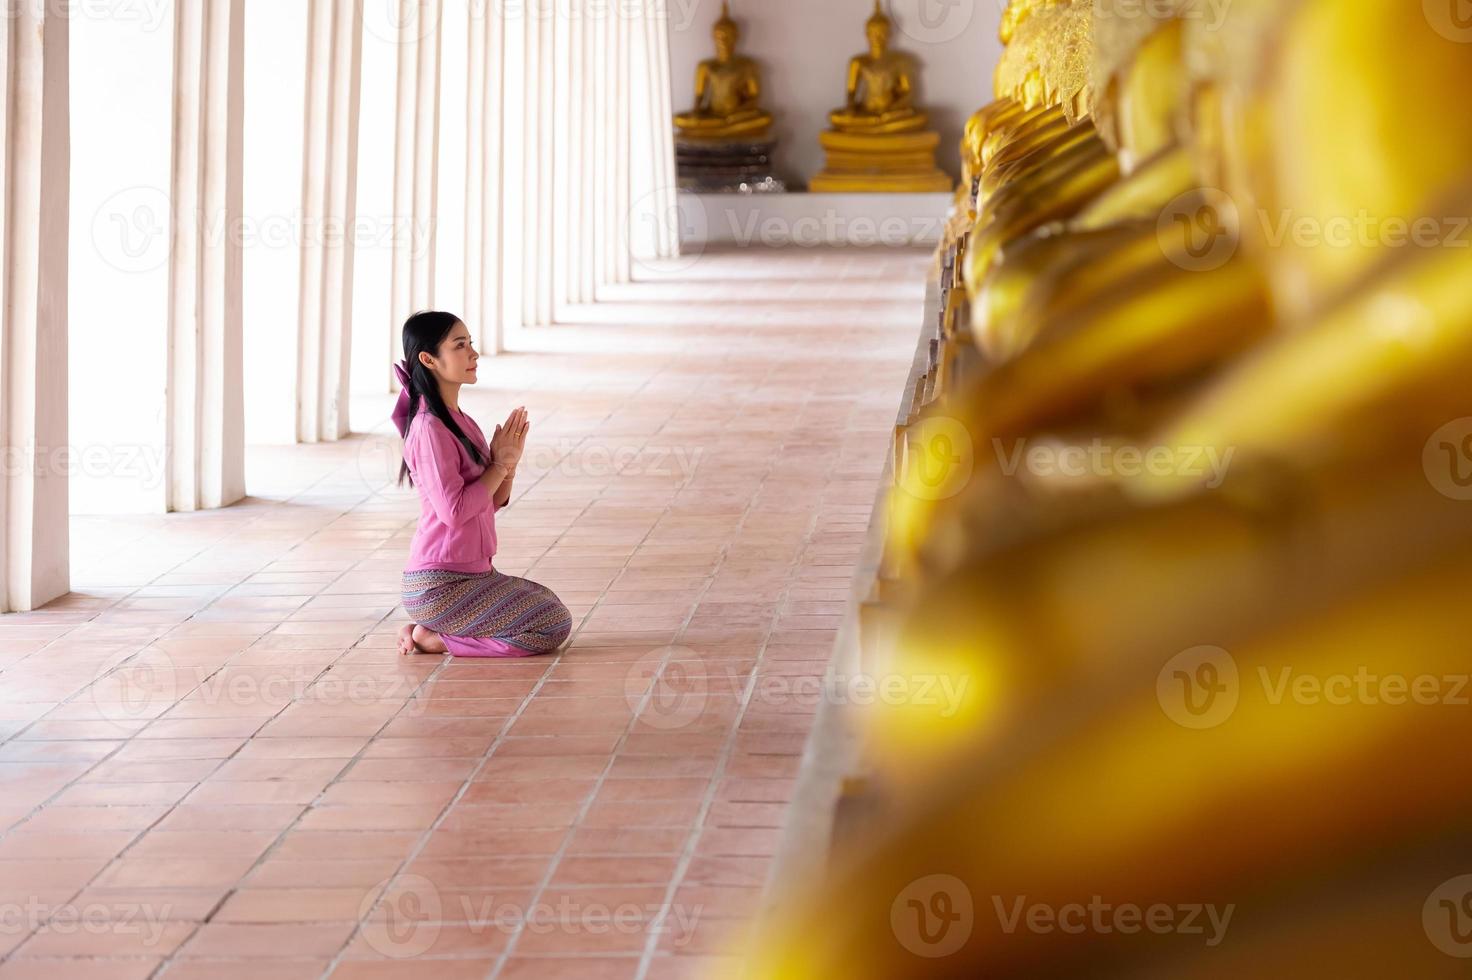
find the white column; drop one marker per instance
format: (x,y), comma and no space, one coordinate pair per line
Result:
(483,218)
(329,197)
(590,125)
(416,167)
(513,93)
(549,29)
(563,162)
(622,220)
(205,409)
(662,125)
(535,21)
(34,174)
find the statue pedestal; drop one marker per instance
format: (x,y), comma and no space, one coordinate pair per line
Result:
(726,166)
(884,162)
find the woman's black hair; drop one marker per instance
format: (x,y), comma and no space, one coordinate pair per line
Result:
(426,331)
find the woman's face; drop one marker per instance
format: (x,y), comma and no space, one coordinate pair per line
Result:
(456,360)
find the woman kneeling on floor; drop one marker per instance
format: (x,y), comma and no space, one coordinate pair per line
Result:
(457,601)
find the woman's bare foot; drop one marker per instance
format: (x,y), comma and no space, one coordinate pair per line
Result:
(427,640)
(406,640)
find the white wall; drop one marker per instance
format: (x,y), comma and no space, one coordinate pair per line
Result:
(272,228)
(804,47)
(122,124)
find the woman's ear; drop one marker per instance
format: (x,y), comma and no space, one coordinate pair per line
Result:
(426,359)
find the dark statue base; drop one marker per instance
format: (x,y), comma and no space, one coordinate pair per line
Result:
(726,166)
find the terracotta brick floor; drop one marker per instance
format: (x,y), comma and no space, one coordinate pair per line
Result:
(214,763)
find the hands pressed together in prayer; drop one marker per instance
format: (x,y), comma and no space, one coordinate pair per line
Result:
(508,442)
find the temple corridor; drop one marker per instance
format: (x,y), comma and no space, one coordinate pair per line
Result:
(216,765)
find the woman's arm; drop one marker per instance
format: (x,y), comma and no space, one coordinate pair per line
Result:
(434,459)
(502,495)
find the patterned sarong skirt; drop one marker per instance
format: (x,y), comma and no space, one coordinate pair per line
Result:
(487,614)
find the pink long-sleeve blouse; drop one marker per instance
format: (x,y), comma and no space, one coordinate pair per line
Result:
(457,522)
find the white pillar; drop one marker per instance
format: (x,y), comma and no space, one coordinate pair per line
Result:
(416,167)
(549,29)
(484,160)
(535,24)
(563,162)
(329,196)
(662,125)
(205,407)
(513,93)
(34,176)
(623,222)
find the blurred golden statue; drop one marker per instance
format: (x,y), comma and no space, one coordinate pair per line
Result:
(879,141)
(728,90)
(880,86)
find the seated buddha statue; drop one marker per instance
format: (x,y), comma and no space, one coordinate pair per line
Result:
(728,91)
(878,140)
(880,87)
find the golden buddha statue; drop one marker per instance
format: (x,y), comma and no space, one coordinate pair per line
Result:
(879,141)
(880,87)
(1329,547)
(728,90)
